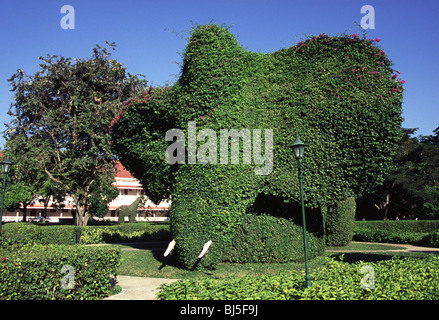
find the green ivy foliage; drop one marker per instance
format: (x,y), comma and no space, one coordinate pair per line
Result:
(339,92)
(339,223)
(264,238)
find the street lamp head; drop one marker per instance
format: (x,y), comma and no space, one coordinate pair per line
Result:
(298,147)
(6,165)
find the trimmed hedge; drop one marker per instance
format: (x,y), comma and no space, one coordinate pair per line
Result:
(20,234)
(27,234)
(268,239)
(339,223)
(423,226)
(389,237)
(36,273)
(395,279)
(416,232)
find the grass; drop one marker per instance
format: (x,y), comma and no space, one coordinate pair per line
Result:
(147,263)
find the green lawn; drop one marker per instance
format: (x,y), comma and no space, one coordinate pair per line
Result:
(146,263)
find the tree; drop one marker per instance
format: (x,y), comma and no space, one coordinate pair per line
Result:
(61,117)
(100,195)
(27,180)
(19,194)
(413,184)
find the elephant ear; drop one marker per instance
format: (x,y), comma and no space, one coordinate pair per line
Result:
(138,133)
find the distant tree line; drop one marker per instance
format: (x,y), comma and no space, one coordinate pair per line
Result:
(411,190)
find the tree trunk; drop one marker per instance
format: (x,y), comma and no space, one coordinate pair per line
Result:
(24,212)
(386,206)
(81,214)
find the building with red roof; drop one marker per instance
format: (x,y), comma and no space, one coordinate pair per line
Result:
(129,190)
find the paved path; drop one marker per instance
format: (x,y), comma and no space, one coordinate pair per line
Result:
(139,288)
(403,248)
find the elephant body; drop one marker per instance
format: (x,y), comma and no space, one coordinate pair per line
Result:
(337,92)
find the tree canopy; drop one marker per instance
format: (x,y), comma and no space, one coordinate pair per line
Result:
(61,116)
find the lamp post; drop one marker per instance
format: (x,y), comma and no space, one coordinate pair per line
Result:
(6,167)
(298,148)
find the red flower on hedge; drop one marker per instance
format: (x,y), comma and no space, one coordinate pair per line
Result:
(4,259)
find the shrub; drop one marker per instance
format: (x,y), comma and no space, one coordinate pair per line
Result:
(36,272)
(152,233)
(266,287)
(339,223)
(431,239)
(20,234)
(269,239)
(416,232)
(421,226)
(25,234)
(386,236)
(395,279)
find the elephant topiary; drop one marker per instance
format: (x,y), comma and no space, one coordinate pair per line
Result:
(340,93)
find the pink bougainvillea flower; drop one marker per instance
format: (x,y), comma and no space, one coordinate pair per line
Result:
(4,259)
(402,81)
(394,76)
(354,35)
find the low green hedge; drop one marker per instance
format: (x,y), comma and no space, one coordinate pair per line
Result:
(387,236)
(265,238)
(20,234)
(415,232)
(421,226)
(395,279)
(37,272)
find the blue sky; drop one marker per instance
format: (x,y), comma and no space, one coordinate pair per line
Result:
(150,36)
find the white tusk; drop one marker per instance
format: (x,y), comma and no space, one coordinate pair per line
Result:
(170,248)
(205,248)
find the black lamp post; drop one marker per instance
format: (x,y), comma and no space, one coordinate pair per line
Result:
(298,148)
(6,167)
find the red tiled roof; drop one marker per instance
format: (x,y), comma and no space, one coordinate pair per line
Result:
(121,172)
